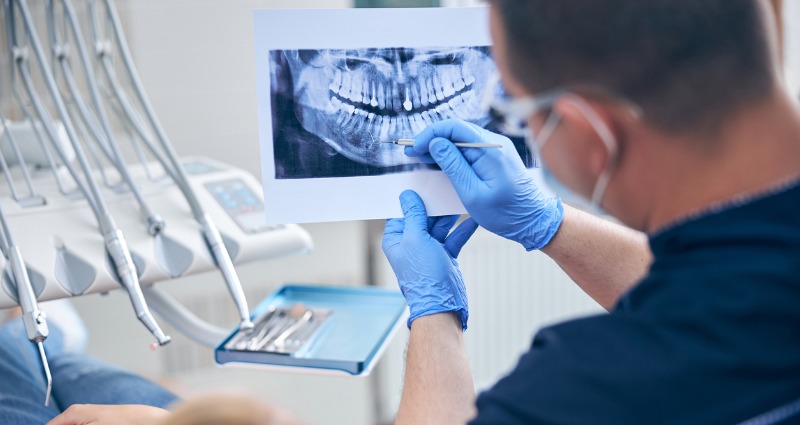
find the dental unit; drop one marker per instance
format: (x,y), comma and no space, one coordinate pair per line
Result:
(88,221)
(116,247)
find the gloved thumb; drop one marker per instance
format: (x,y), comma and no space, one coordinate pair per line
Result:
(456,240)
(453,164)
(416,217)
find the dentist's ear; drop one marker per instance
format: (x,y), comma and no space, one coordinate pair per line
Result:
(591,126)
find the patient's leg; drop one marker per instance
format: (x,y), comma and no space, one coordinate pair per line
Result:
(77,378)
(80,379)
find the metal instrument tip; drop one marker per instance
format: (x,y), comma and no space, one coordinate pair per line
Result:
(246,325)
(47,375)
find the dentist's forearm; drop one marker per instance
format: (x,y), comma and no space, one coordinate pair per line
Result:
(603,258)
(438,386)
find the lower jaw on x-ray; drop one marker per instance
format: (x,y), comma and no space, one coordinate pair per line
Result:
(332,108)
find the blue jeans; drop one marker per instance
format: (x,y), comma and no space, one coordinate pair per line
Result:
(77,379)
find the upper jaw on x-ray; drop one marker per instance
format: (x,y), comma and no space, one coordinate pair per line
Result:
(353,99)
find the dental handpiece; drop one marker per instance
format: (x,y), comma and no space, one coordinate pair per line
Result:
(225,265)
(410,142)
(114,242)
(126,271)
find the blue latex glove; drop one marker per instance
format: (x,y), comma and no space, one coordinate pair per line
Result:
(493,184)
(422,253)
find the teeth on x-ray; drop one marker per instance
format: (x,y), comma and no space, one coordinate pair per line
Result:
(350,97)
(422,102)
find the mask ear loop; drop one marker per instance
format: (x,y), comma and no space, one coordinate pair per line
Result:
(608,140)
(547,131)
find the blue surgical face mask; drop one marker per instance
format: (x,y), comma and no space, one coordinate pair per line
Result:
(566,194)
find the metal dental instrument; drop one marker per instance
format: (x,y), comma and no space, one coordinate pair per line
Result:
(410,142)
(114,241)
(280,341)
(281,330)
(171,163)
(34,320)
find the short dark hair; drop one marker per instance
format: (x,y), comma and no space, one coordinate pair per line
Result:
(688,63)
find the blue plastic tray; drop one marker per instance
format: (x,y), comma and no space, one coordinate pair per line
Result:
(351,340)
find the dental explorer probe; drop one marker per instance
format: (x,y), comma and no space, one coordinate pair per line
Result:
(104,138)
(114,241)
(211,234)
(410,142)
(34,320)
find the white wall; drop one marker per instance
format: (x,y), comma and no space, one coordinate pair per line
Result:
(196,58)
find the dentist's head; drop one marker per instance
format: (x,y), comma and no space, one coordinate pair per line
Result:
(628,102)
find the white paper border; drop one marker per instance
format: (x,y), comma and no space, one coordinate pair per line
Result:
(354,198)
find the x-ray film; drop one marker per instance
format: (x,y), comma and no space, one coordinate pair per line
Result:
(333,84)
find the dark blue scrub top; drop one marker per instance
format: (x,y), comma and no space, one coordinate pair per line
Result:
(710,336)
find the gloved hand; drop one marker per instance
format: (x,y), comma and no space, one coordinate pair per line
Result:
(493,184)
(422,256)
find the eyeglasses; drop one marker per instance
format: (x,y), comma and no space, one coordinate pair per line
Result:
(511,114)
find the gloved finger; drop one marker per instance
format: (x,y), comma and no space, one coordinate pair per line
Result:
(462,131)
(425,158)
(441,227)
(460,236)
(508,151)
(452,129)
(416,217)
(471,155)
(455,166)
(392,234)
(409,151)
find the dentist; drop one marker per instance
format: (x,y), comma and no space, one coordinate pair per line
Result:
(671,116)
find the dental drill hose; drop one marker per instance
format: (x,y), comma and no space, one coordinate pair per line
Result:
(225,265)
(155,223)
(112,236)
(210,232)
